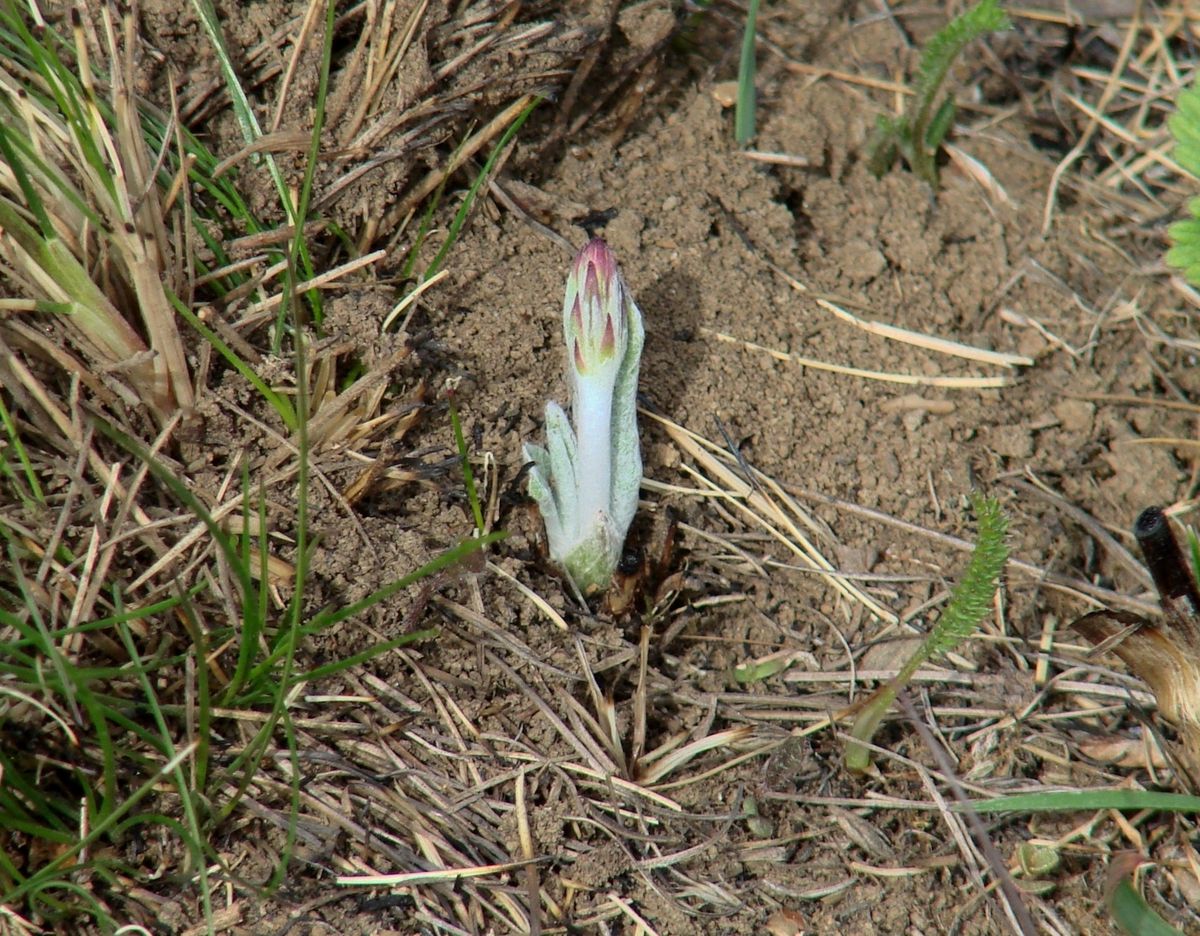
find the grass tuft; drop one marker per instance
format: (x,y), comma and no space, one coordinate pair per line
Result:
(152,665)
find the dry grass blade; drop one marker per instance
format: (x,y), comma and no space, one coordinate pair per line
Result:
(1122,101)
(1081,145)
(657,765)
(909,380)
(639,922)
(894,333)
(417,878)
(87,180)
(538,601)
(72,436)
(323,281)
(140,225)
(381,49)
(768,506)
(423,189)
(1014,906)
(348,416)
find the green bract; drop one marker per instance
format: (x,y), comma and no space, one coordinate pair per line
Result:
(586,478)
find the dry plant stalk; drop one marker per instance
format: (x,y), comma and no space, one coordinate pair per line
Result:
(1166,654)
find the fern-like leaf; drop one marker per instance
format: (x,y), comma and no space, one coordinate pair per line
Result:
(969,602)
(918,135)
(972,597)
(948,43)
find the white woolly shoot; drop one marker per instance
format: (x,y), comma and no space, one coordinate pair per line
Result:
(586,478)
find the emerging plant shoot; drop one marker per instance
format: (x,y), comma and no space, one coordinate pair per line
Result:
(919,133)
(969,602)
(586,478)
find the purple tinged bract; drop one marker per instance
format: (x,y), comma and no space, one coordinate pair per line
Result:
(596,310)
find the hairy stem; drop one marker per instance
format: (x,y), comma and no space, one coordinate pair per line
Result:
(593,430)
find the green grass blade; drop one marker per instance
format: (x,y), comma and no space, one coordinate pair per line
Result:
(292,631)
(1133,915)
(278,402)
(744,109)
(24,807)
(41,897)
(883,145)
(183,493)
(1194,552)
(252,133)
(464,460)
(949,42)
(364,656)
(33,200)
(464,209)
(204,703)
(99,716)
(1184,254)
(49,871)
(1088,801)
(145,612)
(56,664)
(254,601)
(94,314)
(414,252)
(31,492)
(858,752)
(449,558)
(296,775)
(191,834)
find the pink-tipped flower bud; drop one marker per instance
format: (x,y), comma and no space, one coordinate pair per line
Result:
(586,478)
(596,312)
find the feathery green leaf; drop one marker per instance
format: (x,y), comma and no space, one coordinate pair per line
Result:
(972,597)
(1184,254)
(969,602)
(919,133)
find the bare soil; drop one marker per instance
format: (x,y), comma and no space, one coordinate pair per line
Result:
(426,773)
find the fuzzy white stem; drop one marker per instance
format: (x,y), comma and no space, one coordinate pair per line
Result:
(593,433)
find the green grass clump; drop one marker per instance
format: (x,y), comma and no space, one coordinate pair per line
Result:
(139,715)
(969,602)
(918,133)
(116,754)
